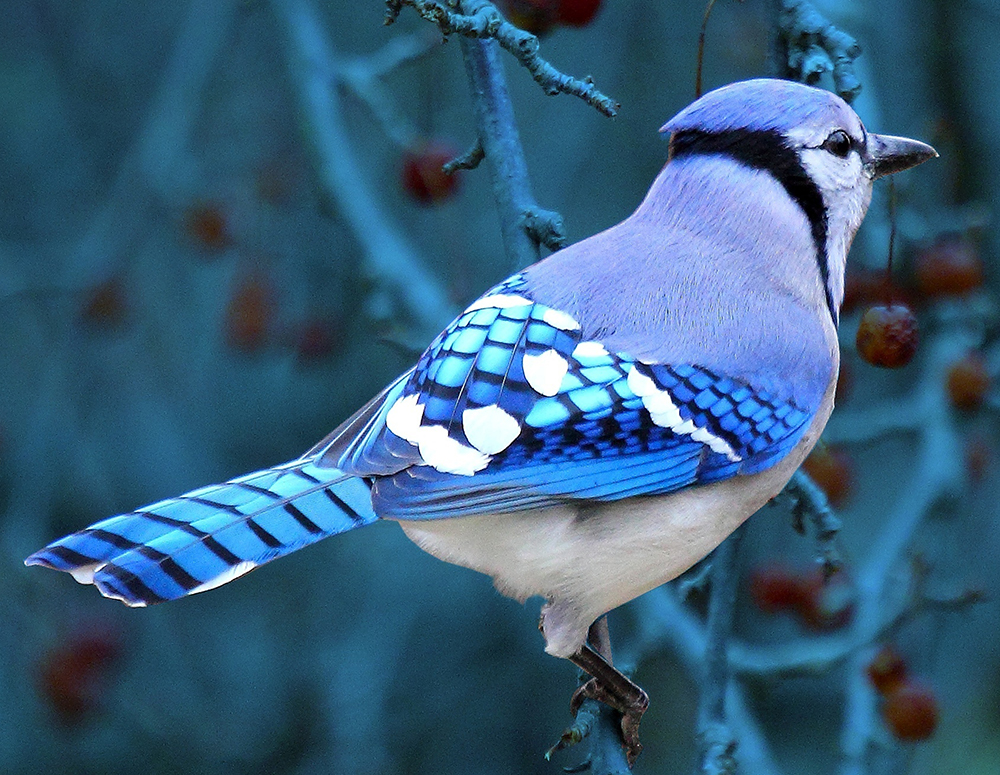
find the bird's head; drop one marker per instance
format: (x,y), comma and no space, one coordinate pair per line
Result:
(811,142)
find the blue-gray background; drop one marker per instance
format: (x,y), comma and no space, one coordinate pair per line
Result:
(362,655)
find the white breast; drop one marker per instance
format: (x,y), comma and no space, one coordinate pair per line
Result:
(586,561)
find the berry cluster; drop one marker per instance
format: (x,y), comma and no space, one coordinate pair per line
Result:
(820,603)
(908,707)
(73,675)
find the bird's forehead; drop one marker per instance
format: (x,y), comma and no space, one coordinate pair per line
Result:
(802,113)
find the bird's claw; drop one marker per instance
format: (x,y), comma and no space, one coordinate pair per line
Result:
(631,709)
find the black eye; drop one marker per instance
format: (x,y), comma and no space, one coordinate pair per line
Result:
(839,143)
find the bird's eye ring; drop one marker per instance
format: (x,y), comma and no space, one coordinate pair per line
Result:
(839,143)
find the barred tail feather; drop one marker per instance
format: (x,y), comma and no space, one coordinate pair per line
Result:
(208,537)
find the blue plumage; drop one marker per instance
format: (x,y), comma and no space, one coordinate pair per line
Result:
(211,535)
(598,422)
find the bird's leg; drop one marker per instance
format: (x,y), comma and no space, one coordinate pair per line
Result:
(610,686)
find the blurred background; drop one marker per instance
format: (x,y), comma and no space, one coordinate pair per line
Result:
(185,297)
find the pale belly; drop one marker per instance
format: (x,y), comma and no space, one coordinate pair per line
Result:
(587,560)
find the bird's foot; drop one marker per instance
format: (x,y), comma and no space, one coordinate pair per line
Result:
(631,704)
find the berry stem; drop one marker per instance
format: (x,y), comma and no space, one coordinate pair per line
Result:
(892,241)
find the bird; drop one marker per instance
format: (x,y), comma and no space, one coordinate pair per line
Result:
(595,424)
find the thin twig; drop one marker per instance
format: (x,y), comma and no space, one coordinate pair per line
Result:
(389,260)
(812,505)
(716,741)
(364,77)
(481,19)
(469,160)
(701,48)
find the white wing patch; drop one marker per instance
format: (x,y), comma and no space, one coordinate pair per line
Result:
(84,574)
(589,349)
(490,429)
(665,413)
(448,455)
(545,372)
(436,447)
(498,301)
(560,320)
(404,416)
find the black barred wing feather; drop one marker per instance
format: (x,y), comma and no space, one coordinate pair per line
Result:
(511,408)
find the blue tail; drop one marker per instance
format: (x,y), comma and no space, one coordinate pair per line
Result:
(212,535)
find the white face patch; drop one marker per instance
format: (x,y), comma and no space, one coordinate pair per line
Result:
(498,301)
(847,192)
(490,429)
(545,372)
(664,412)
(560,320)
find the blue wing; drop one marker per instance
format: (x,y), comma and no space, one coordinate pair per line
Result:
(511,408)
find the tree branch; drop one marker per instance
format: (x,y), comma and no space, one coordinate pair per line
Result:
(389,260)
(937,474)
(662,616)
(502,149)
(716,741)
(813,46)
(481,19)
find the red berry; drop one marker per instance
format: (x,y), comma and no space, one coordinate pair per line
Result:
(911,711)
(951,266)
(887,670)
(831,469)
(535,16)
(774,588)
(206,223)
(887,335)
(577,13)
(250,313)
(318,339)
(978,457)
(72,676)
(968,382)
(105,305)
(423,179)
(828,602)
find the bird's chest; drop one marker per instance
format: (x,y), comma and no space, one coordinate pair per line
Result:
(590,559)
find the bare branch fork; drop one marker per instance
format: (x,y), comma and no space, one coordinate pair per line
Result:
(524,225)
(481,19)
(390,261)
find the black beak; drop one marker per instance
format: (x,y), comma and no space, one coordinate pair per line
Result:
(888,154)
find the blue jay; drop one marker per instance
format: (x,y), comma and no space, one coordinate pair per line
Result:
(600,421)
